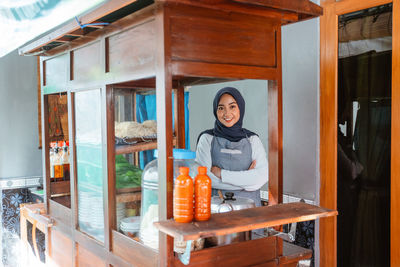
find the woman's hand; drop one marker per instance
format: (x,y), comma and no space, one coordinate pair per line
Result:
(252,165)
(216,171)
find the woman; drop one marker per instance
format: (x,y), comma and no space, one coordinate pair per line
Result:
(234,156)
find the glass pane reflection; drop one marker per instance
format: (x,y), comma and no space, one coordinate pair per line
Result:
(89,163)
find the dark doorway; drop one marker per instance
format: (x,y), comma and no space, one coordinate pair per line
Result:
(364,119)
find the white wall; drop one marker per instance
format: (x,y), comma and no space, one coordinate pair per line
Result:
(201,115)
(19,153)
(300,74)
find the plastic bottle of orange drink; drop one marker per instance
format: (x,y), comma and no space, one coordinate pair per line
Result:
(202,192)
(183,196)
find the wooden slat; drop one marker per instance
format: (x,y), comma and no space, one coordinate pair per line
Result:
(60,250)
(60,187)
(275,135)
(94,15)
(133,252)
(249,253)
(214,70)
(45,148)
(293,253)
(395,145)
(229,6)
(299,6)
(349,6)
(86,258)
(63,39)
(39,101)
(60,213)
(244,220)
(128,197)
(126,149)
(111,179)
(180,116)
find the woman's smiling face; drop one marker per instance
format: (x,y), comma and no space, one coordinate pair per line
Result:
(228,112)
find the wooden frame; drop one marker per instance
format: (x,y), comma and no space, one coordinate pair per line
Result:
(328,124)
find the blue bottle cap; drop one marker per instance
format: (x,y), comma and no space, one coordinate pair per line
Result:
(178,153)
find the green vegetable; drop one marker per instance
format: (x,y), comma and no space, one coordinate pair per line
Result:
(127,175)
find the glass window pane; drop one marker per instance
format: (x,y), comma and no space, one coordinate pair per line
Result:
(89,163)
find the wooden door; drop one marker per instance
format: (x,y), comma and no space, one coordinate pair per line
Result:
(328,124)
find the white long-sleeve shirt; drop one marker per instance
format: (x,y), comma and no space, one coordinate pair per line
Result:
(249,180)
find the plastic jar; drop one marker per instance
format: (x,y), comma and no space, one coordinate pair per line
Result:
(148,234)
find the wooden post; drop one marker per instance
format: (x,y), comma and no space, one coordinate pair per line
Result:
(164,132)
(180,117)
(275,156)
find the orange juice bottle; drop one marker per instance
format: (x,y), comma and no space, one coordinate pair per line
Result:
(183,196)
(202,192)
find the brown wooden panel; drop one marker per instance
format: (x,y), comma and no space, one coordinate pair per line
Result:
(60,187)
(219,37)
(132,251)
(55,72)
(247,253)
(85,258)
(292,254)
(60,213)
(87,63)
(253,10)
(60,249)
(244,220)
(132,50)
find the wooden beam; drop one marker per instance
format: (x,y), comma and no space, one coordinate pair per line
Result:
(244,8)
(275,135)
(300,6)
(328,134)
(99,12)
(180,116)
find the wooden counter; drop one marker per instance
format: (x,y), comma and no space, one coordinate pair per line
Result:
(244,220)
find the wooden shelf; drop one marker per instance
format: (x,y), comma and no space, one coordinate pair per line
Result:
(244,220)
(129,197)
(126,149)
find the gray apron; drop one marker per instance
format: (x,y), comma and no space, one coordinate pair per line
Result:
(233,156)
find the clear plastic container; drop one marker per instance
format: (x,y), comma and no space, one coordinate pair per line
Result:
(148,234)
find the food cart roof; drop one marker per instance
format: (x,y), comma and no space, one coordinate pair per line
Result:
(288,11)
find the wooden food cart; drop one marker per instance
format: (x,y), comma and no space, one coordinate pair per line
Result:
(124,48)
